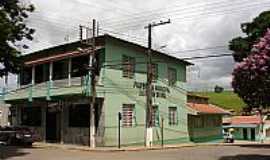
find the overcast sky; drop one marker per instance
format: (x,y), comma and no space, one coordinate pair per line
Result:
(195,24)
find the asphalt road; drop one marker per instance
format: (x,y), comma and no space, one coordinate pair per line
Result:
(251,152)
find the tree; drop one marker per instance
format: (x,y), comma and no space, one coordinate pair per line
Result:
(13,31)
(251,77)
(241,46)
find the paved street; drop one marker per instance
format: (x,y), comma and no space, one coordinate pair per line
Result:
(189,153)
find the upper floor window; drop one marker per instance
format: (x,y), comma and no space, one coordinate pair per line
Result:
(60,69)
(26,76)
(155,71)
(79,65)
(172,76)
(127,115)
(128,66)
(42,73)
(172,115)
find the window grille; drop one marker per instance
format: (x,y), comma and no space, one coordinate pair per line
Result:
(172,116)
(127,115)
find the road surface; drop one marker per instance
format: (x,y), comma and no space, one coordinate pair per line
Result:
(247,152)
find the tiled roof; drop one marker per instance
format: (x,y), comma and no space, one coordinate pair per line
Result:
(206,108)
(235,120)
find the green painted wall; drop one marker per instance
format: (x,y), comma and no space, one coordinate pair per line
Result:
(117,91)
(204,128)
(121,90)
(239,135)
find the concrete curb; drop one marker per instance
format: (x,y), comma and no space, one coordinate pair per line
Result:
(125,149)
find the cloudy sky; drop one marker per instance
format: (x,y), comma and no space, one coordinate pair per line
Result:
(195,24)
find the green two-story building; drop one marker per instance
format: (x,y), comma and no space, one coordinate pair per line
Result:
(53,96)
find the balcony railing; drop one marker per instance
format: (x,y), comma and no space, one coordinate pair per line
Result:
(49,89)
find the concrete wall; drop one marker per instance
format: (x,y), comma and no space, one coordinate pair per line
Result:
(4,114)
(78,136)
(71,135)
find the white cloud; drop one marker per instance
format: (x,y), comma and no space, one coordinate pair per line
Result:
(55,20)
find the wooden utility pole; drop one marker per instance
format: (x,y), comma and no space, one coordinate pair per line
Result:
(92,70)
(149,87)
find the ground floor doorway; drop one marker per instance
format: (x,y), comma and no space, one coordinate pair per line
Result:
(245,134)
(53,126)
(252,134)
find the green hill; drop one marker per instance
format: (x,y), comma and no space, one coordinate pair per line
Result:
(226,100)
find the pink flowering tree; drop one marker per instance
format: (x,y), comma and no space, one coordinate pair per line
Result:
(251,77)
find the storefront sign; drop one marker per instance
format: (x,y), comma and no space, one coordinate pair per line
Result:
(158,91)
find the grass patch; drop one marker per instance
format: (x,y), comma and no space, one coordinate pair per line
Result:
(226,100)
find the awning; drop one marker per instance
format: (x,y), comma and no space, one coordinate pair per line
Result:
(241,126)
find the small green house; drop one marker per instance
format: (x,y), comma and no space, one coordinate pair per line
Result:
(53,98)
(244,127)
(205,124)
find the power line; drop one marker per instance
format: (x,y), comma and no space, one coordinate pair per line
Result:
(163,61)
(208,56)
(202,15)
(120,10)
(161,10)
(198,49)
(65,23)
(184,12)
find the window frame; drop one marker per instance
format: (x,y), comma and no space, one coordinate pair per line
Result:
(128,66)
(172,76)
(127,118)
(154,72)
(173,120)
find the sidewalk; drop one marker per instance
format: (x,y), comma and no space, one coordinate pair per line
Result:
(110,149)
(140,148)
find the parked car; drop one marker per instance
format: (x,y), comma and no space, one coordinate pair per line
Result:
(16,136)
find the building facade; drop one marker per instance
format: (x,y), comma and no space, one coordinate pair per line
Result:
(245,127)
(205,124)
(54,94)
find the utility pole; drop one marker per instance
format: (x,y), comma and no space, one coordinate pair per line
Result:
(149,87)
(92,70)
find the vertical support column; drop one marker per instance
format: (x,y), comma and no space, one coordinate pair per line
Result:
(43,112)
(18,115)
(33,75)
(5,88)
(69,71)
(62,123)
(19,80)
(51,72)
